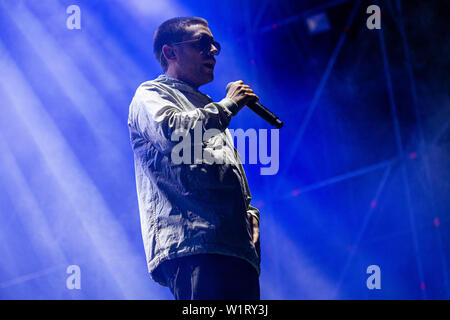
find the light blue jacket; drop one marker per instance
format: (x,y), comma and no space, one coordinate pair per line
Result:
(195,207)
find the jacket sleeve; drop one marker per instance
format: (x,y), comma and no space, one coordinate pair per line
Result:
(157,115)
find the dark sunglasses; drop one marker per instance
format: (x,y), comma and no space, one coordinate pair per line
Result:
(203,43)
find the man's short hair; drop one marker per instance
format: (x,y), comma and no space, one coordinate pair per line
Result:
(172,31)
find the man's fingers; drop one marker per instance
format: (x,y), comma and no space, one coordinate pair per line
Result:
(241,93)
(254,227)
(255,236)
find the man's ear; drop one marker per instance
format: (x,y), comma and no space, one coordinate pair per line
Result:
(168,52)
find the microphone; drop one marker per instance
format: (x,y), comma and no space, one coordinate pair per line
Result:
(263,112)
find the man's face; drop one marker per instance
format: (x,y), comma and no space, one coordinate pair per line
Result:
(194,66)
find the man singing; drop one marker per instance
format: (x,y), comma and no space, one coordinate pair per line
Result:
(201,236)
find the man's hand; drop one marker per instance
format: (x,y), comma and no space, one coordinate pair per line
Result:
(241,94)
(254,225)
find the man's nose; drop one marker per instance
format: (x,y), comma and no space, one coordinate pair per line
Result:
(213,49)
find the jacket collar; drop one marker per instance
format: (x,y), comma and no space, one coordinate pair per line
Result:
(176,83)
(181,85)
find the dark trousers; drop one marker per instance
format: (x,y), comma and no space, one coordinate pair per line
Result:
(211,277)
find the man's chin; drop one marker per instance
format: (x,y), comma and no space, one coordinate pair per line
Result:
(207,79)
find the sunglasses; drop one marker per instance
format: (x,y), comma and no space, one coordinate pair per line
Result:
(203,43)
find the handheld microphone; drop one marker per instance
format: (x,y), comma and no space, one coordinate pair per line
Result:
(263,112)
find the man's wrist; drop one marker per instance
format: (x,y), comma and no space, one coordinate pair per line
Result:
(230,105)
